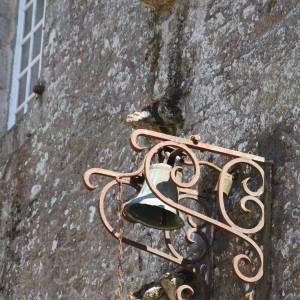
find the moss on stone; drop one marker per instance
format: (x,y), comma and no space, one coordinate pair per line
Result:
(271,5)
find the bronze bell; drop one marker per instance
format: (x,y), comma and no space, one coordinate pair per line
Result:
(149,210)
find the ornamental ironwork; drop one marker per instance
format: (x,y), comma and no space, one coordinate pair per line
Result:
(181,153)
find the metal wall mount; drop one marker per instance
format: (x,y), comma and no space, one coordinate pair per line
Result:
(189,150)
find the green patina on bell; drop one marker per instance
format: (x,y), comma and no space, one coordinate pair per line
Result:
(149,210)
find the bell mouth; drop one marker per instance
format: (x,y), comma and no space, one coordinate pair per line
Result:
(153,216)
(151,211)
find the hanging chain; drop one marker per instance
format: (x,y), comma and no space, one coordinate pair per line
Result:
(120,249)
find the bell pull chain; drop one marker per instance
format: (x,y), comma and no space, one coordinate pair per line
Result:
(120,249)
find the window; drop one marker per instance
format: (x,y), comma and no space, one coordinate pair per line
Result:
(27,58)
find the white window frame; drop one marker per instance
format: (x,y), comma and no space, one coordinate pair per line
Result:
(17,72)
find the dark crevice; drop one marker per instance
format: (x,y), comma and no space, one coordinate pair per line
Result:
(165,113)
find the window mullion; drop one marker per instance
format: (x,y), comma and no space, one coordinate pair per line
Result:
(28,73)
(16,66)
(42,41)
(28,4)
(28,92)
(37,26)
(25,39)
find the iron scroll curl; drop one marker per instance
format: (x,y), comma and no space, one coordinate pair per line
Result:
(252,195)
(232,229)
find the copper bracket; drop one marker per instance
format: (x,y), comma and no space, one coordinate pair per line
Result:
(189,190)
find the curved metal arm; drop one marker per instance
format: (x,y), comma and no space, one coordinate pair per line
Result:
(192,143)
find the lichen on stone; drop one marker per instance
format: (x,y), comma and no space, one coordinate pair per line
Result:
(271,5)
(155,293)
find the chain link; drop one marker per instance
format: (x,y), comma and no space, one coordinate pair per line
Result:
(120,249)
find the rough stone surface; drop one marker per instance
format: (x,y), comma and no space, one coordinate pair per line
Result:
(7,34)
(104,60)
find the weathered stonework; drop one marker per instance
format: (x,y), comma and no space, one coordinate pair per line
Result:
(104,60)
(7,35)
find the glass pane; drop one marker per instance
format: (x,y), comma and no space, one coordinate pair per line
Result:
(25,54)
(34,76)
(28,19)
(39,11)
(37,42)
(22,89)
(19,114)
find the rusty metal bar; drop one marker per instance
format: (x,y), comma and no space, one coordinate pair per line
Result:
(191,143)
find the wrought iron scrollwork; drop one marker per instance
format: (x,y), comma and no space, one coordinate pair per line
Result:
(187,190)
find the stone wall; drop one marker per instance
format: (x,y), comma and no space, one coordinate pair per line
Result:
(232,69)
(7,35)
